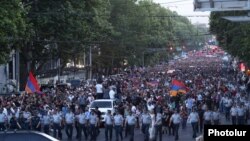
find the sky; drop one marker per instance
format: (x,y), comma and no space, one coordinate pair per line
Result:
(185,8)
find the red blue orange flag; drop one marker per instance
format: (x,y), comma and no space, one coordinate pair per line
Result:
(178,86)
(32,85)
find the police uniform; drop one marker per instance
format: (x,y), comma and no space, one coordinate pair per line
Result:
(3,119)
(21,121)
(216,117)
(207,117)
(233,112)
(108,120)
(46,123)
(240,115)
(145,121)
(27,117)
(69,119)
(36,123)
(57,119)
(82,120)
(194,118)
(131,120)
(158,126)
(93,120)
(176,119)
(13,123)
(118,122)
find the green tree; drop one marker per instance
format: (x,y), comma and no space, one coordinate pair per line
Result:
(12,27)
(232,36)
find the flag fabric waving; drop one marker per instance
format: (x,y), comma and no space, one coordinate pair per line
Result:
(32,85)
(178,87)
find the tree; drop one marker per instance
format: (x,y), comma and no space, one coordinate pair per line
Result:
(12,27)
(232,37)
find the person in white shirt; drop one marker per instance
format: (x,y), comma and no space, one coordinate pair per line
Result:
(27,117)
(112,93)
(241,114)
(130,122)
(194,120)
(189,104)
(176,120)
(145,123)
(99,91)
(233,113)
(158,126)
(46,120)
(216,116)
(228,105)
(108,121)
(118,124)
(93,123)
(207,116)
(3,120)
(82,119)
(57,124)
(69,120)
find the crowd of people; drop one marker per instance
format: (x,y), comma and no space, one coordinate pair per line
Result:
(215,88)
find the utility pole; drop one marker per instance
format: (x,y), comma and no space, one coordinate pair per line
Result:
(90,62)
(17,71)
(143,59)
(59,69)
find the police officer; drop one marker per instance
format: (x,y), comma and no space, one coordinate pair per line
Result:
(27,117)
(130,122)
(158,126)
(57,124)
(82,120)
(47,118)
(99,114)
(207,117)
(241,114)
(233,112)
(14,125)
(21,121)
(108,121)
(145,123)
(93,123)
(36,122)
(3,120)
(194,120)
(216,116)
(77,125)
(69,120)
(118,124)
(176,120)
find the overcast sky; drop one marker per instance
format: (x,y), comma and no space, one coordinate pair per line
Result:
(185,8)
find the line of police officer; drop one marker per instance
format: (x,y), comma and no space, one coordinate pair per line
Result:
(55,120)
(86,122)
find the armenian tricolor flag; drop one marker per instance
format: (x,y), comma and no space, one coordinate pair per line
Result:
(178,87)
(32,85)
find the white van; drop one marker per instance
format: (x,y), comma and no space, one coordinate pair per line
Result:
(103,106)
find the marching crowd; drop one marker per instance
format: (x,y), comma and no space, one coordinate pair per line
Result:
(144,101)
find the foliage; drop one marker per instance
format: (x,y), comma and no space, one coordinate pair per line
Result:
(233,37)
(12,27)
(120,30)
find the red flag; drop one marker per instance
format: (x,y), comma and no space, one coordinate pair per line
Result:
(32,84)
